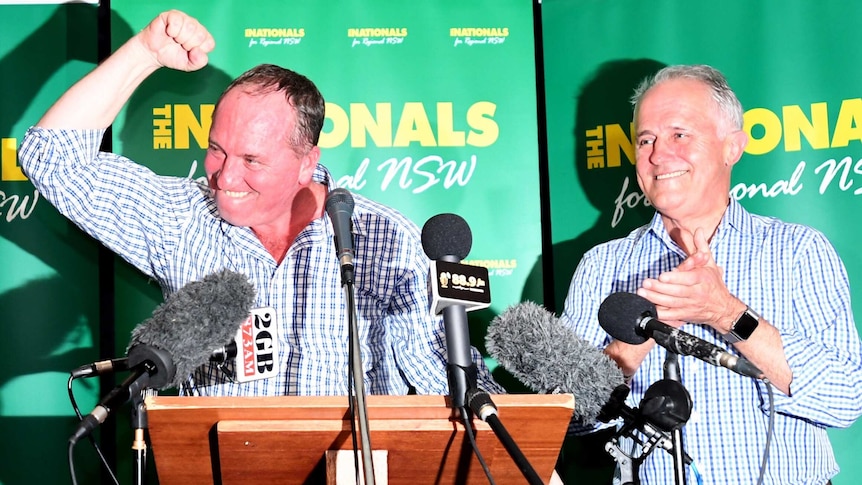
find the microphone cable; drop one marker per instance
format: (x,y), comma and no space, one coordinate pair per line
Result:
(96,447)
(468,430)
(769,430)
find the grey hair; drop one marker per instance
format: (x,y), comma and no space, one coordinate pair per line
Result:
(722,94)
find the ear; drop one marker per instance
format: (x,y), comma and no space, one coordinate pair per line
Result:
(307,165)
(734,147)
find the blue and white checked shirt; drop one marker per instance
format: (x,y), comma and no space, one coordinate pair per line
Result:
(791,275)
(169,228)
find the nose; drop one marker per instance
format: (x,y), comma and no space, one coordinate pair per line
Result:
(659,152)
(231,173)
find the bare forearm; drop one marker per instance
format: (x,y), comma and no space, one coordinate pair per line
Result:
(629,357)
(766,351)
(173,39)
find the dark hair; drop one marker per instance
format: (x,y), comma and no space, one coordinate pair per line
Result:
(299,92)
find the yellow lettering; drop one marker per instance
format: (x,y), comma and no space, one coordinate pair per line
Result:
(446,134)
(186,123)
(847,127)
(772,130)
(378,126)
(9,169)
(480,117)
(816,130)
(616,141)
(340,127)
(414,126)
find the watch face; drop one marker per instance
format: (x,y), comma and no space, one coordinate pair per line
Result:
(744,327)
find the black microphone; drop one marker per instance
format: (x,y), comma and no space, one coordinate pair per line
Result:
(631,318)
(447,238)
(179,337)
(339,207)
(101,367)
(546,356)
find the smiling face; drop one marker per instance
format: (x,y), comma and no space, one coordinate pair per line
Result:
(251,166)
(686,148)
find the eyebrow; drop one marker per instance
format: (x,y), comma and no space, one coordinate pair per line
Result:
(245,156)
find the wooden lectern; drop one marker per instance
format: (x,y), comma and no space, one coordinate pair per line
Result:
(283,440)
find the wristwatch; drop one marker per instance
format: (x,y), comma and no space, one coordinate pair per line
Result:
(743,327)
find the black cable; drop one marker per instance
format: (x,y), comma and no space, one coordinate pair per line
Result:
(90,437)
(72,463)
(468,430)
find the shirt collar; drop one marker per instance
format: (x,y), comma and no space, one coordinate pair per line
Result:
(735,218)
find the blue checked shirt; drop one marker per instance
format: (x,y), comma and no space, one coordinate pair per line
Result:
(791,275)
(169,228)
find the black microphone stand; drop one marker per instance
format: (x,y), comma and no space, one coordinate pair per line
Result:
(665,406)
(358,398)
(483,407)
(671,373)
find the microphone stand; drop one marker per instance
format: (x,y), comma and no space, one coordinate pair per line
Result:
(482,406)
(671,372)
(664,407)
(139,424)
(358,398)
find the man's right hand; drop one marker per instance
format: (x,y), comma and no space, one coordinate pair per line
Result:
(173,39)
(176,40)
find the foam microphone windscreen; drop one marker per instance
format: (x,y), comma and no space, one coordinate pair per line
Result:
(200,317)
(620,315)
(532,344)
(446,235)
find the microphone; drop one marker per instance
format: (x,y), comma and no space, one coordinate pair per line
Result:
(631,318)
(446,239)
(179,336)
(545,355)
(101,367)
(339,207)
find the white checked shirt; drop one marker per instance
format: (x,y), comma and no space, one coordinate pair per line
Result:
(791,275)
(169,228)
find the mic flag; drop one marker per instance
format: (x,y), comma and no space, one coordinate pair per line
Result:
(446,240)
(254,349)
(459,284)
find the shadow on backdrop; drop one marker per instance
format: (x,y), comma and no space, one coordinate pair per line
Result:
(603,100)
(50,306)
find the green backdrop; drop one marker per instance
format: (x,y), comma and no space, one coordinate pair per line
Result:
(456,132)
(432,108)
(790,64)
(48,275)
